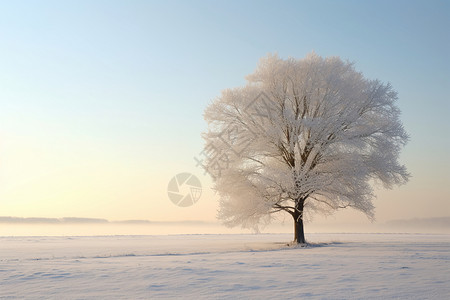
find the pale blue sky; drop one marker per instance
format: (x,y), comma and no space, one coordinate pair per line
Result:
(104,99)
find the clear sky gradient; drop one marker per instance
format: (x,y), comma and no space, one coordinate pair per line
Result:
(101,102)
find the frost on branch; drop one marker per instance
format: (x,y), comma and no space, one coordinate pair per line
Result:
(302,136)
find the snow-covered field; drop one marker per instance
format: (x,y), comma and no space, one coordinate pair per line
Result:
(336,266)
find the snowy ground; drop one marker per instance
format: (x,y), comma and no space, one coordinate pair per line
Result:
(337,266)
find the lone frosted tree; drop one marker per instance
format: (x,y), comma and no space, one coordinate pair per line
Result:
(302,136)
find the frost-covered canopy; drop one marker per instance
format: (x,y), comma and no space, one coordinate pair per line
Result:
(302,135)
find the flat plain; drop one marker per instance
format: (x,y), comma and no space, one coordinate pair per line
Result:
(227,266)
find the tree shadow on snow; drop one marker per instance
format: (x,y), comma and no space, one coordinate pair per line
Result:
(292,245)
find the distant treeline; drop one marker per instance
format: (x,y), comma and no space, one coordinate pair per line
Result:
(51,220)
(68,220)
(74,220)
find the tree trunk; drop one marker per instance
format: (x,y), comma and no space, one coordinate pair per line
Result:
(299,232)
